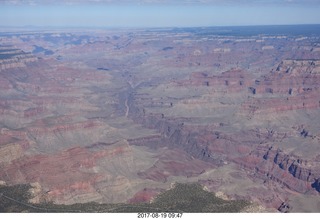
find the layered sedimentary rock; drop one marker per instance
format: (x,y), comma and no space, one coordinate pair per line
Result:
(137,112)
(291,87)
(246,149)
(11,58)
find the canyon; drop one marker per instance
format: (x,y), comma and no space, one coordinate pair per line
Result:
(119,116)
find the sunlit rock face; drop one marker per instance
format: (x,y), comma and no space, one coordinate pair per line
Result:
(119,116)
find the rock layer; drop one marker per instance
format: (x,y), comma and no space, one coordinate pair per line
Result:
(138,111)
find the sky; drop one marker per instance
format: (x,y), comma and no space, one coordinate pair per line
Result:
(157,13)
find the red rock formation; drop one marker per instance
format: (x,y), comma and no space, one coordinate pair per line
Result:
(241,148)
(234,80)
(64,127)
(292,86)
(67,172)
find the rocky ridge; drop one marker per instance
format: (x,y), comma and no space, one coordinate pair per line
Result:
(14,58)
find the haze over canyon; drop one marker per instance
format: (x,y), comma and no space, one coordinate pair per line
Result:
(121,115)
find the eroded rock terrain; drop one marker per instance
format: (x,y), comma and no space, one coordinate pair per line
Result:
(119,116)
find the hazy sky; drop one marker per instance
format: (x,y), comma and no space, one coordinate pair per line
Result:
(157,13)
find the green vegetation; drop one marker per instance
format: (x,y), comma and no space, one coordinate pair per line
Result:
(192,198)
(182,198)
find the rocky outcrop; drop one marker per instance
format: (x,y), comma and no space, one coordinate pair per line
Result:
(10,152)
(234,80)
(14,58)
(291,78)
(288,170)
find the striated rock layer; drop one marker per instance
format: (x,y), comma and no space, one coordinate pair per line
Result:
(116,116)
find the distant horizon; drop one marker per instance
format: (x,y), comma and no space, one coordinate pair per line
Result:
(155,13)
(295,30)
(155,27)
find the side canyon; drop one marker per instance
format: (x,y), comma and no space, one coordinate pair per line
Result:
(119,116)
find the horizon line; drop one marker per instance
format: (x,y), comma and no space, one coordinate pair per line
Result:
(150,27)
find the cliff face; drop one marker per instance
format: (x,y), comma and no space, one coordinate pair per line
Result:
(11,58)
(214,147)
(265,151)
(294,83)
(263,123)
(233,80)
(290,171)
